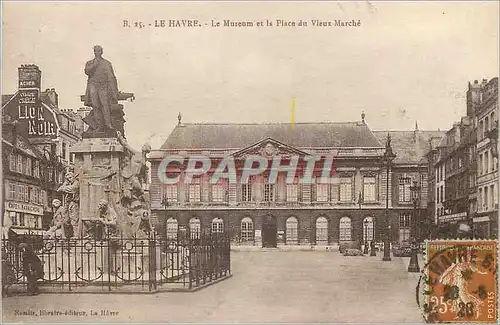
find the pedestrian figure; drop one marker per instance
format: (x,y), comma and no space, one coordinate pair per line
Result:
(32,268)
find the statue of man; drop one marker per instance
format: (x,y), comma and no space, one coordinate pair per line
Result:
(102,89)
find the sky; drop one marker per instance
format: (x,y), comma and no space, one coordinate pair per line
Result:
(407,62)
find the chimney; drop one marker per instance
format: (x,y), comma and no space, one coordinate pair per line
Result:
(51,97)
(30,76)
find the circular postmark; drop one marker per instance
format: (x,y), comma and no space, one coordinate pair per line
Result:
(459,281)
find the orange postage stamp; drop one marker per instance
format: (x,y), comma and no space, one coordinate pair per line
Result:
(461,281)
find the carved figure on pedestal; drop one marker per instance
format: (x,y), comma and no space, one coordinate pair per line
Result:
(56,229)
(134,199)
(71,190)
(107,221)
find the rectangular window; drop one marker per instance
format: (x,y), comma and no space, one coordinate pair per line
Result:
(404,189)
(269,192)
(369,189)
(486,163)
(36,169)
(219,193)
(292,192)
(485,204)
(13,162)
(480,199)
(195,190)
(246,192)
(492,190)
(404,221)
(171,192)
(322,192)
(43,198)
(404,234)
(480,164)
(28,167)
(19,164)
(345,194)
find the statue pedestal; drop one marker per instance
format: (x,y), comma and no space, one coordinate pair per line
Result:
(97,163)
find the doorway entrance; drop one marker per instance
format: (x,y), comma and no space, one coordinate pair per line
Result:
(269,232)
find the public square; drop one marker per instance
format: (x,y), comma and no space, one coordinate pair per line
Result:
(266,286)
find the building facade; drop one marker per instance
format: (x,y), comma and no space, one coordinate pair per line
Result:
(262,212)
(35,119)
(454,177)
(485,218)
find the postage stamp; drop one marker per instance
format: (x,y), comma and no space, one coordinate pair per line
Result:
(460,279)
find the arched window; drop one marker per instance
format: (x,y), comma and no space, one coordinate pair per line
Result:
(217,225)
(368,229)
(247,233)
(481,129)
(345,229)
(195,227)
(321,230)
(292,230)
(486,126)
(172,227)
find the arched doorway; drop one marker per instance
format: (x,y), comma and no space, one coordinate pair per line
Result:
(292,231)
(368,229)
(269,232)
(321,231)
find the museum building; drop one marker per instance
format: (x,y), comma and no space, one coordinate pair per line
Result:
(269,214)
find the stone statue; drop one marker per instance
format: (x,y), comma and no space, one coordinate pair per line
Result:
(107,221)
(101,94)
(56,229)
(134,200)
(71,219)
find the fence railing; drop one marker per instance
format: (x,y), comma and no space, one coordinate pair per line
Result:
(112,262)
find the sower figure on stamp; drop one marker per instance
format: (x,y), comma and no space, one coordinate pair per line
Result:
(101,93)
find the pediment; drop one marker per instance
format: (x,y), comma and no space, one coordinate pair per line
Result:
(269,148)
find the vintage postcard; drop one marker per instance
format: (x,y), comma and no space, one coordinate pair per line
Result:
(249,162)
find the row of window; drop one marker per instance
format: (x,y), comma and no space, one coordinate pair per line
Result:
(291,228)
(485,126)
(24,165)
(293,192)
(22,219)
(487,198)
(486,163)
(25,193)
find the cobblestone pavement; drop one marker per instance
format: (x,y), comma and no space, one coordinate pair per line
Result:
(266,287)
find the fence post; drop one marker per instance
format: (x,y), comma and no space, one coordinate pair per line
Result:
(152,261)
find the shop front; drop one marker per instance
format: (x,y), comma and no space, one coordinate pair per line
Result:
(23,217)
(485,226)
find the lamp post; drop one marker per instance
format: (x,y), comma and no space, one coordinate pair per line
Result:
(387,159)
(415,193)
(365,251)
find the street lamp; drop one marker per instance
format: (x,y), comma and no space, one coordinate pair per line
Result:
(415,193)
(387,159)
(365,251)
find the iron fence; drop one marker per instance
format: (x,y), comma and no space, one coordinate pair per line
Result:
(183,260)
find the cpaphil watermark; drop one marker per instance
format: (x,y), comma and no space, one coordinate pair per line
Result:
(175,168)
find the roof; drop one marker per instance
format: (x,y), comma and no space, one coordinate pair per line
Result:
(410,147)
(301,135)
(6,98)
(26,147)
